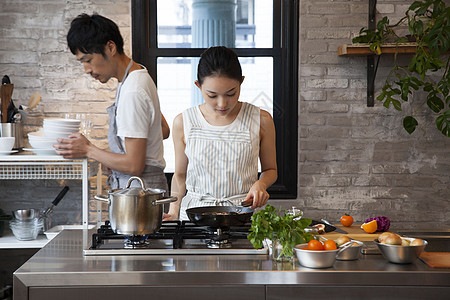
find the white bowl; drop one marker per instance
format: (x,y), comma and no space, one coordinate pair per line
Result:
(6,143)
(42,144)
(39,137)
(56,127)
(57,134)
(62,122)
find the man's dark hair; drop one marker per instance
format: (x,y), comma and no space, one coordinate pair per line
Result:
(89,34)
(220,61)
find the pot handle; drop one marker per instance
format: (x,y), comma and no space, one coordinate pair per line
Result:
(166,200)
(135,178)
(102,198)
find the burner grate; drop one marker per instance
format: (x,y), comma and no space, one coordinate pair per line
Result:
(174,234)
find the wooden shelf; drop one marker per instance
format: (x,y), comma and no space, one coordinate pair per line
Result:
(363,49)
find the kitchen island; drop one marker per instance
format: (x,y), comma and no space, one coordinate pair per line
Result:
(60,271)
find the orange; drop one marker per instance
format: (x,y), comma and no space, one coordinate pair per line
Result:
(330,245)
(315,245)
(370,227)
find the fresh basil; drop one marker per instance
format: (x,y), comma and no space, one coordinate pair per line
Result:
(274,224)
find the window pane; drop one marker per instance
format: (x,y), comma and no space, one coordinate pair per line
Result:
(206,23)
(176,89)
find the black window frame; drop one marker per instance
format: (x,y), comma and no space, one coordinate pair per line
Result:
(285,86)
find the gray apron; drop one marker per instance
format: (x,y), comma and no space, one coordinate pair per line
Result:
(152,176)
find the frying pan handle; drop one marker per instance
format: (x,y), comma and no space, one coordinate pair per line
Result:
(166,200)
(102,198)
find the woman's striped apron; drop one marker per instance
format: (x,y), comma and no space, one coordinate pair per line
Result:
(222,160)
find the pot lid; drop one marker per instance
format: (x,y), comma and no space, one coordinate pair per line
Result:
(136,191)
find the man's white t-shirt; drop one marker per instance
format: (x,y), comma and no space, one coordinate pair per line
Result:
(139,115)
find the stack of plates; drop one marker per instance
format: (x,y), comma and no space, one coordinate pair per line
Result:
(43,140)
(60,128)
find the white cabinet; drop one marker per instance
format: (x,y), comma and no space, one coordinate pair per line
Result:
(50,167)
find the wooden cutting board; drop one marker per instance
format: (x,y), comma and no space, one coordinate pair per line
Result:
(354,232)
(436,259)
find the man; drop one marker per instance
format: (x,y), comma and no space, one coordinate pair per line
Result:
(136,126)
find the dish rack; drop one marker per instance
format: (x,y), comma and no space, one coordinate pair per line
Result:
(51,167)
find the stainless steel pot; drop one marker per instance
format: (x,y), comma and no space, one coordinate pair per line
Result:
(135,210)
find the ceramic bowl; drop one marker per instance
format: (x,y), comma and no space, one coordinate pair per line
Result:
(7,143)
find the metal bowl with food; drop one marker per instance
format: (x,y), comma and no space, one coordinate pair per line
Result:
(351,253)
(401,254)
(315,259)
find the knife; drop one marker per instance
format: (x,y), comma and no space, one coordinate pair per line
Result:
(337,229)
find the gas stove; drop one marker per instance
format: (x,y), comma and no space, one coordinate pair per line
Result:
(173,238)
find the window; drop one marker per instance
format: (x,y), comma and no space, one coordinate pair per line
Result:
(169,36)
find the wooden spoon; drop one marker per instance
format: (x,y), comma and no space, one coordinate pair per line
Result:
(6,95)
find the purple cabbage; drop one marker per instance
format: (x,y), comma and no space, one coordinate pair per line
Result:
(383,223)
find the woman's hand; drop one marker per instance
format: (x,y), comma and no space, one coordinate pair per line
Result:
(169,217)
(257,194)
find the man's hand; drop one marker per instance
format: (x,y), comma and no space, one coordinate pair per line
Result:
(76,146)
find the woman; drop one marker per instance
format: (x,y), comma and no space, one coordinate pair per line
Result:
(218,143)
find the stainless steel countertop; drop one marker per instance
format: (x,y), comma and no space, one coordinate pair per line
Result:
(61,263)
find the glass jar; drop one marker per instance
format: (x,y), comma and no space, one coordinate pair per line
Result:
(277,252)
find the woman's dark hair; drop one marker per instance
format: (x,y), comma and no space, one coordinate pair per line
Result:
(219,61)
(89,34)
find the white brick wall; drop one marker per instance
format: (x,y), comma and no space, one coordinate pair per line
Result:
(352,158)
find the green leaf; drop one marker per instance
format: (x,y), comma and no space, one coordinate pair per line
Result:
(410,124)
(435,104)
(443,123)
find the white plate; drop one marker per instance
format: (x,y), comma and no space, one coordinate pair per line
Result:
(8,152)
(41,151)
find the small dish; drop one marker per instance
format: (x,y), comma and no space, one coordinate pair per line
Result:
(41,151)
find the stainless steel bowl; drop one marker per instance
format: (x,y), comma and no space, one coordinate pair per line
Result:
(26,214)
(351,253)
(315,259)
(401,254)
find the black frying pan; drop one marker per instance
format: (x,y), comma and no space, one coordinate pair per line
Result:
(207,216)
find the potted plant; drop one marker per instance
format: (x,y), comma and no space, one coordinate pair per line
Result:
(428,23)
(284,230)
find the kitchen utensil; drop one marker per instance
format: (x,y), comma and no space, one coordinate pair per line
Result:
(6,95)
(47,214)
(137,210)
(328,228)
(317,259)
(335,228)
(219,216)
(401,254)
(34,101)
(26,214)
